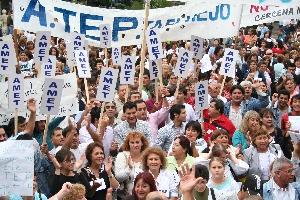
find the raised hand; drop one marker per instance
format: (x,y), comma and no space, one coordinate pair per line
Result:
(31,105)
(187,178)
(108,165)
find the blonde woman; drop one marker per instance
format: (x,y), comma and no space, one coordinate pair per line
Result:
(250,124)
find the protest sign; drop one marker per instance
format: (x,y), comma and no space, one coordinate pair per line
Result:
(78,41)
(48,68)
(295,125)
(184,63)
(206,64)
(105,36)
(107,84)
(154,45)
(42,46)
(153,69)
(201,95)
(116,55)
(173,23)
(197,46)
(228,62)
(127,70)
(83,65)
(7,52)
(16,167)
(260,2)
(51,96)
(295,136)
(16,91)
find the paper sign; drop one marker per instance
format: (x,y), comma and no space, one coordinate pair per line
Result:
(201,95)
(48,68)
(197,46)
(83,65)
(105,36)
(7,58)
(295,136)
(78,41)
(16,167)
(127,70)
(154,45)
(295,123)
(51,96)
(153,69)
(116,55)
(228,63)
(184,63)
(16,91)
(206,64)
(107,84)
(42,46)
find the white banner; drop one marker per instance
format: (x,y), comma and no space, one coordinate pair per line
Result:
(154,45)
(16,91)
(153,69)
(246,2)
(197,46)
(201,95)
(107,84)
(116,55)
(183,64)
(127,70)
(105,36)
(16,167)
(228,62)
(48,68)
(42,46)
(83,65)
(173,23)
(8,56)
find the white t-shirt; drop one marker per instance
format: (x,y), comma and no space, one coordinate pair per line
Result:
(77,152)
(265,159)
(167,182)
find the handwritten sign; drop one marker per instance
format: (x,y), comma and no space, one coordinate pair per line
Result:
(7,57)
(48,68)
(197,46)
(42,46)
(183,64)
(127,70)
(16,167)
(116,55)
(228,63)
(153,69)
(16,91)
(51,96)
(107,84)
(83,65)
(154,45)
(201,95)
(105,36)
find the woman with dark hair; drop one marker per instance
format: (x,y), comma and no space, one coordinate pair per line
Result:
(54,52)
(144,183)
(98,172)
(181,154)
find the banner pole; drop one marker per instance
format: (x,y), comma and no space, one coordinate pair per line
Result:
(46,130)
(143,51)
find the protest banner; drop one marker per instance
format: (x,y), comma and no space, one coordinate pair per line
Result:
(83,65)
(105,36)
(197,46)
(127,70)
(154,45)
(42,46)
(16,91)
(201,95)
(245,2)
(107,84)
(16,167)
(49,67)
(7,58)
(116,55)
(174,23)
(153,69)
(78,41)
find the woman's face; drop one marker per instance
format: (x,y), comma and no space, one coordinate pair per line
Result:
(217,170)
(252,66)
(267,120)
(248,89)
(200,187)
(253,123)
(177,148)
(135,144)
(23,57)
(68,164)
(191,134)
(223,139)
(153,162)
(53,52)
(142,189)
(262,142)
(263,87)
(98,156)
(290,86)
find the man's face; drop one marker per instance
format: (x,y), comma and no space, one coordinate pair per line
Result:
(286,174)
(180,98)
(296,105)
(283,100)
(146,80)
(57,138)
(110,110)
(75,139)
(2,135)
(141,111)
(122,91)
(131,115)
(212,111)
(182,115)
(214,89)
(237,95)
(173,80)
(248,90)
(135,97)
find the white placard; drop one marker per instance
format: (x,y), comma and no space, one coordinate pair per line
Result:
(42,46)
(7,58)
(83,65)
(205,64)
(184,63)
(51,96)
(127,70)
(16,167)
(295,123)
(154,45)
(197,46)
(229,62)
(78,41)
(48,68)
(295,136)
(153,69)
(107,84)
(116,55)
(201,95)
(16,91)
(105,36)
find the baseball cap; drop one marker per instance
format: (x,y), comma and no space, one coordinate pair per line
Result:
(253,185)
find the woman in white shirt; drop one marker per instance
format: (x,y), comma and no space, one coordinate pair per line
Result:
(167,181)
(128,163)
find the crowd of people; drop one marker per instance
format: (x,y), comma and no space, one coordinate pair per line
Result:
(153,144)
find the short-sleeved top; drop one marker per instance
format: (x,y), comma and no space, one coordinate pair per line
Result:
(103,180)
